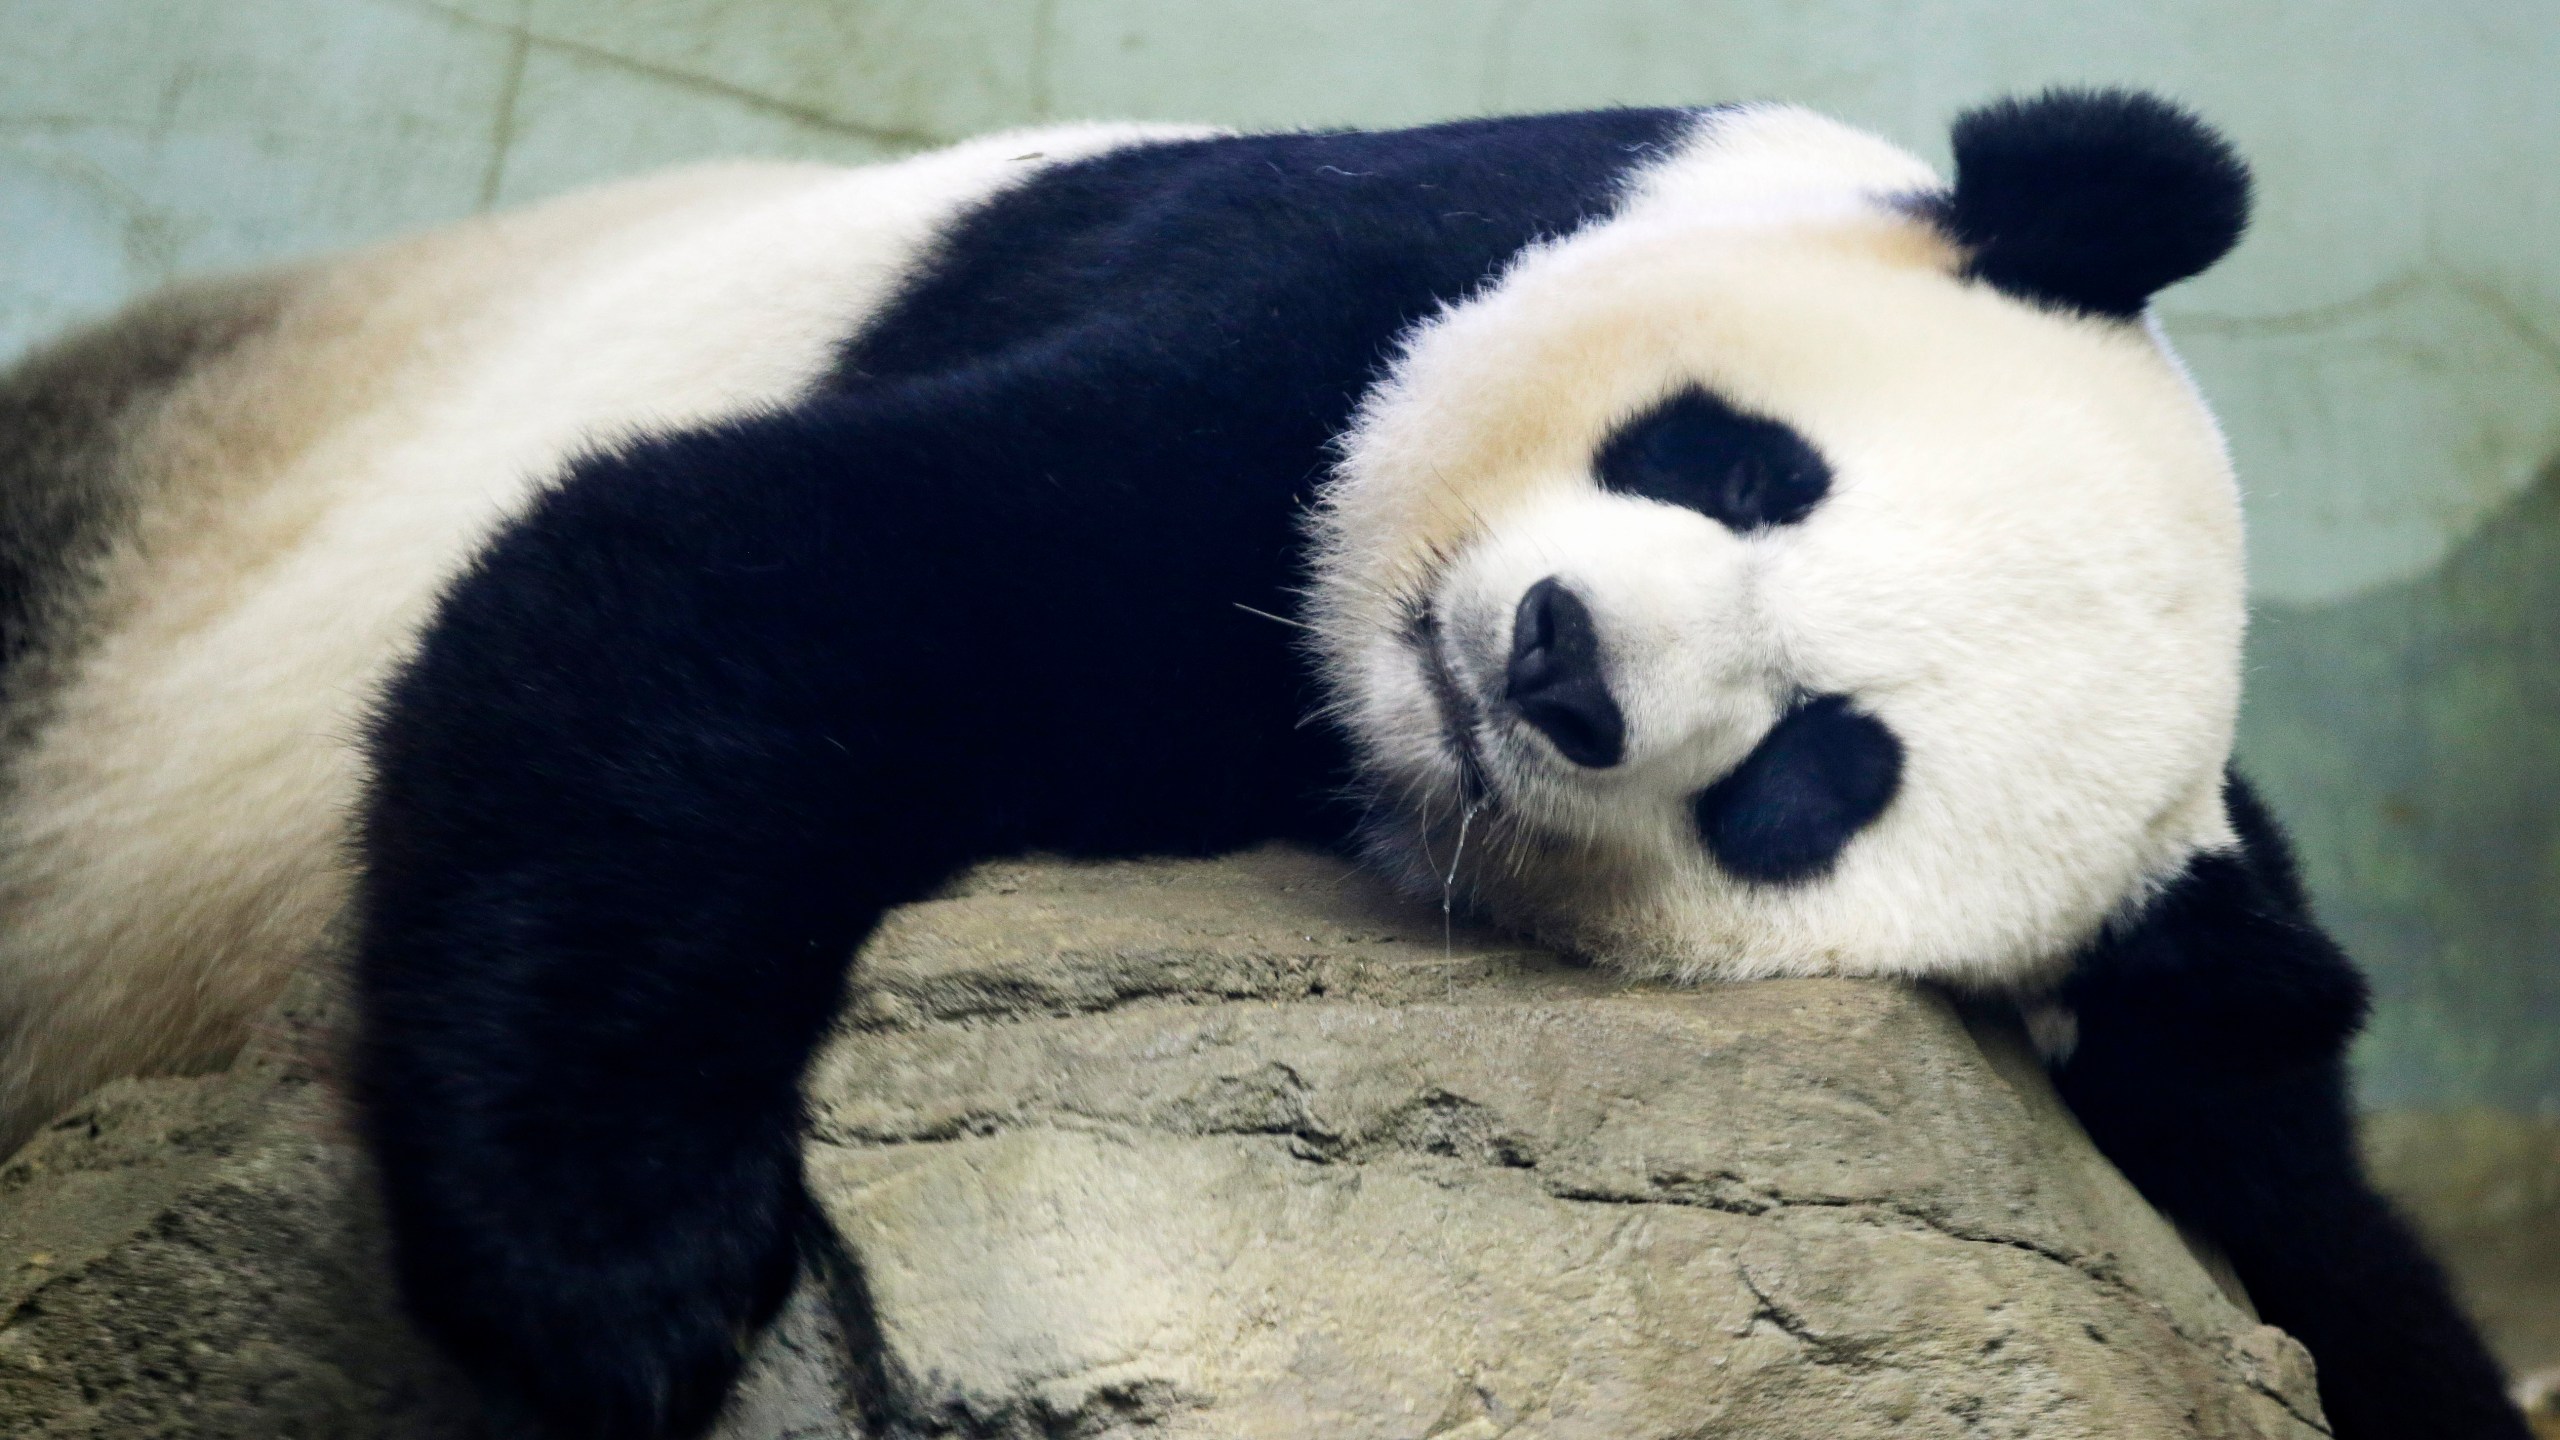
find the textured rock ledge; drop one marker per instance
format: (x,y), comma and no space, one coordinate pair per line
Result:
(1237,1149)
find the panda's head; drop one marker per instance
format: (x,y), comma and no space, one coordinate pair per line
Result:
(1814,567)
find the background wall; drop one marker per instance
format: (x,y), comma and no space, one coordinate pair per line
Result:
(2385,347)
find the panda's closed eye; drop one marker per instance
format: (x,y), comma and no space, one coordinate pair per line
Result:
(1694,450)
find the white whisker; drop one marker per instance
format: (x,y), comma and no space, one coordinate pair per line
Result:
(1275,619)
(1449,882)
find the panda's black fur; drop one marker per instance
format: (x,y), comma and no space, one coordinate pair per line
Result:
(1003,581)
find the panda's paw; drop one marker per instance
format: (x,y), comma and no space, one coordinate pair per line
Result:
(632,1328)
(654,1366)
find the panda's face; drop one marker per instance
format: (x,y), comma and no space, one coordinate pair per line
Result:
(1733,599)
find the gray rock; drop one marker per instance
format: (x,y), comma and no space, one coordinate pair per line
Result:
(1238,1149)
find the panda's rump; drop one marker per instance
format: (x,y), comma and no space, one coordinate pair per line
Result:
(70,416)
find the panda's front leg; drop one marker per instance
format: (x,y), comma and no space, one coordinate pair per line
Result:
(2209,1064)
(630,816)
(581,1086)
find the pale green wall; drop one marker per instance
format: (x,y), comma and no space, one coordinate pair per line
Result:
(2386,347)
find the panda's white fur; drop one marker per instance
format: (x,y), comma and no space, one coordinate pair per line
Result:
(171,842)
(2028,566)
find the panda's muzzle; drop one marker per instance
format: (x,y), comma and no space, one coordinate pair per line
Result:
(1555,679)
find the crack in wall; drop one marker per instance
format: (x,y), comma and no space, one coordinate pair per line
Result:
(1044,43)
(502,131)
(527,37)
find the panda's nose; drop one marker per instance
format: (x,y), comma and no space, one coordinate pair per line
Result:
(1555,680)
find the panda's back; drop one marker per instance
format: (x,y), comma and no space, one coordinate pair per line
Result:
(224,512)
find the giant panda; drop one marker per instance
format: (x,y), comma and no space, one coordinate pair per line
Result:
(1706,539)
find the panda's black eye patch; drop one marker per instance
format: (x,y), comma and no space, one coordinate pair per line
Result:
(1822,774)
(1745,471)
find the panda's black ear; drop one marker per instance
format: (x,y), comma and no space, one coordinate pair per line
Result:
(2092,199)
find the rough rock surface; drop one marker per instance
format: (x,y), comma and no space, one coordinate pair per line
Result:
(1237,1149)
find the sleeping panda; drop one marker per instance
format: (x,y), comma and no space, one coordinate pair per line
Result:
(1705,539)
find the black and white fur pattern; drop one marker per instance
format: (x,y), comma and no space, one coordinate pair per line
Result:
(2024,559)
(1727,550)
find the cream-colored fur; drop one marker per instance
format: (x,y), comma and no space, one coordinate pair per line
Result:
(172,842)
(2028,566)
